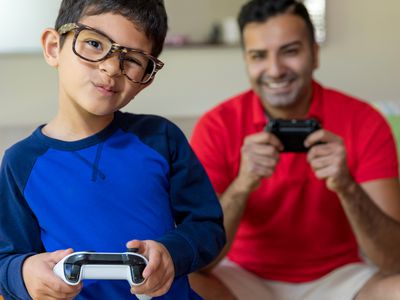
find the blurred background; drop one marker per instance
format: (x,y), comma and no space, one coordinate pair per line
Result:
(203,60)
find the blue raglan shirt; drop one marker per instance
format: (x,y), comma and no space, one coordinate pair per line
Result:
(136,179)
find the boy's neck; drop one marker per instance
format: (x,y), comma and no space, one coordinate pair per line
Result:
(73,129)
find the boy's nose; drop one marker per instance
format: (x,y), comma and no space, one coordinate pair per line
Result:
(111,66)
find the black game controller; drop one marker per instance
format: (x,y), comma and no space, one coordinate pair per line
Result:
(292,133)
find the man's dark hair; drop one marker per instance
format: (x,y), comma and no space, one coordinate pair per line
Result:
(260,11)
(148,15)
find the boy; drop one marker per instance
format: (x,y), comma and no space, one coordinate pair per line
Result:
(96,178)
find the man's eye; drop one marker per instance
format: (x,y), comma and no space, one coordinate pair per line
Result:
(257,56)
(291,51)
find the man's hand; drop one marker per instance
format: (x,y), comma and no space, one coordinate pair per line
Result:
(259,157)
(328,159)
(160,271)
(40,280)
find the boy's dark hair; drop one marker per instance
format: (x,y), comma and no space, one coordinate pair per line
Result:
(148,15)
(261,10)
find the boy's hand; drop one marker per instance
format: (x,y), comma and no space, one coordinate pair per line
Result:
(40,280)
(160,271)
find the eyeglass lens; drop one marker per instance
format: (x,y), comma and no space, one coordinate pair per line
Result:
(94,46)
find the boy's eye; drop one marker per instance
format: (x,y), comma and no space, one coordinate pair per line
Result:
(133,61)
(95,44)
(136,60)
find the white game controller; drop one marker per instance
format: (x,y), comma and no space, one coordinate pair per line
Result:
(97,265)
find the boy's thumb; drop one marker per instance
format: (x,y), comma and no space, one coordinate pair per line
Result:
(60,254)
(135,246)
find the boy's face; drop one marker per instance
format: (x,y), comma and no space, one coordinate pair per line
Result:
(99,88)
(280,60)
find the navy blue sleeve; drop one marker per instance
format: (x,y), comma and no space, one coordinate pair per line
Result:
(199,235)
(19,230)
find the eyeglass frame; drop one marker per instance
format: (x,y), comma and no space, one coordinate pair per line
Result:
(115,48)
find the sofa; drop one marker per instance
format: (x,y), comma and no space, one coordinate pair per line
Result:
(10,134)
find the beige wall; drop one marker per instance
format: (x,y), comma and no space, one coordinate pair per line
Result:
(360,56)
(195,18)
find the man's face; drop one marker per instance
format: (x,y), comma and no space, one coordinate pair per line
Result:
(280,60)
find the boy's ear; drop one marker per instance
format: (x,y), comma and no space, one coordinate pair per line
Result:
(51,46)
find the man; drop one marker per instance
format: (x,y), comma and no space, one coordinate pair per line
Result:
(296,222)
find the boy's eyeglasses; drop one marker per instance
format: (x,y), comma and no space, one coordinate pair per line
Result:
(94,46)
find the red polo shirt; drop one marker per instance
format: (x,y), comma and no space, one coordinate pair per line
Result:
(293,228)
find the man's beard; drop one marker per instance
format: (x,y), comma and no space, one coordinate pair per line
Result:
(278,99)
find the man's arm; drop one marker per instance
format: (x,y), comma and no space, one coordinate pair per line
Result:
(373,211)
(259,157)
(372,208)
